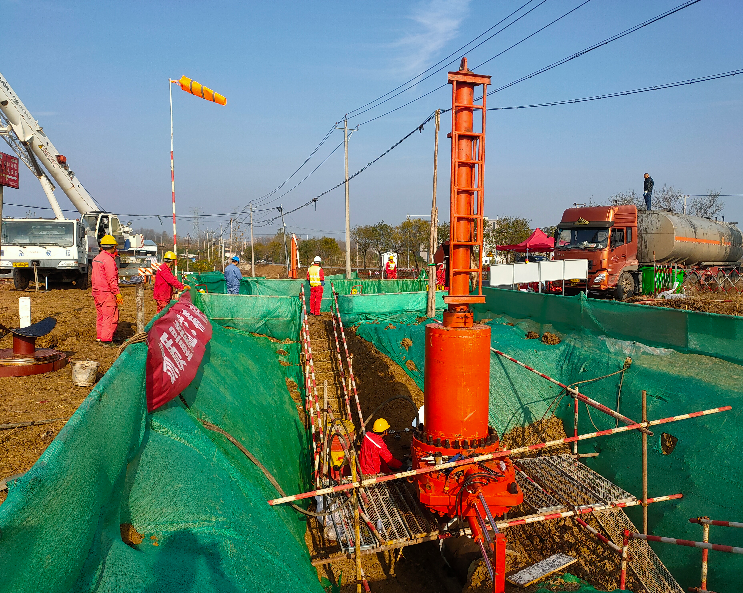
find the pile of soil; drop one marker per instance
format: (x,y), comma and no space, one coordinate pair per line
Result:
(53,395)
(550,339)
(724,303)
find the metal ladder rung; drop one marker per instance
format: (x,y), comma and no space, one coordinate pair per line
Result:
(467,216)
(472,106)
(465,188)
(473,134)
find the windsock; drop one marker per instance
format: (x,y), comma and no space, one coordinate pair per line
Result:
(193,87)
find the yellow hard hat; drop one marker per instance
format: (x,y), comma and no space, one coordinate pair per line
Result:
(108,240)
(380,425)
(170,255)
(392,257)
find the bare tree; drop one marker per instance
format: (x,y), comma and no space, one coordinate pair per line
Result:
(668,198)
(708,206)
(627,198)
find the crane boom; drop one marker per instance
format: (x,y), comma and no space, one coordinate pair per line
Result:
(28,140)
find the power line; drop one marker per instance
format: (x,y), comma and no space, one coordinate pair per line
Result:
(596,45)
(646,89)
(314,200)
(553,65)
(455,60)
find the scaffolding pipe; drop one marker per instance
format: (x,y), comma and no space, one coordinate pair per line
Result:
(494,455)
(599,536)
(573,392)
(687,543)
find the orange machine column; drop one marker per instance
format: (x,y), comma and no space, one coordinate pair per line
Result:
(457,363)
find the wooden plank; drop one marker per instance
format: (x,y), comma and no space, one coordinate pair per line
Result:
(531,574)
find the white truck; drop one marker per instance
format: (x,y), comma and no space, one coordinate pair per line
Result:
(56,248)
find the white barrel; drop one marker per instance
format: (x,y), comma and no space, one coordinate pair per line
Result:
(84,372)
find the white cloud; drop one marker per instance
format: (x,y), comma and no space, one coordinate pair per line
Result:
(434,24)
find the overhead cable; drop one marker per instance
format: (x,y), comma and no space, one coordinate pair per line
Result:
(418,128)
(446,65)
(646,89)
(596,45)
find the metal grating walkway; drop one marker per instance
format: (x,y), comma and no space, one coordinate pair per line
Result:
(394,510)
(559,482)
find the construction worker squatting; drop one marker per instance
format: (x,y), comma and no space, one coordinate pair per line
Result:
(375,456)
(316,277)
(105,289)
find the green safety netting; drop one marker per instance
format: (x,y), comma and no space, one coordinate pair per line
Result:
(705,463)
(688,331)
(213,282)
(277,316)
(197,501)
(358,307)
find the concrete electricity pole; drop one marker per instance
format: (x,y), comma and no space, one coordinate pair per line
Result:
(252,251)
(283,231)
(348,216)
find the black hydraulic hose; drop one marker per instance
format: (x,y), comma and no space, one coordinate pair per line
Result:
(208,425)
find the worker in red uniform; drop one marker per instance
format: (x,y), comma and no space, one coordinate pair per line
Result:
(390,269)
(165,282)
(375,456)
(316,277)
(106,294)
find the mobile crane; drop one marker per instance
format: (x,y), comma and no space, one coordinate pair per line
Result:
(56,248)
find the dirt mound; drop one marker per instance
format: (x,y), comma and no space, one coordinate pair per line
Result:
(550,339)
(406,343)
(53,395)
(532,336)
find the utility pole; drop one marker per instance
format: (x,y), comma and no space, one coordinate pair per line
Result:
(348,217)
(188,249)
(433,239)
(283,226)
(232,247)
(221,246)
(252,251)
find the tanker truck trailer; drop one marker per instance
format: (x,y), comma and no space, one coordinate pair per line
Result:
(619,241)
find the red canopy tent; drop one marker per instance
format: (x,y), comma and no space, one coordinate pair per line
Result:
(538,242)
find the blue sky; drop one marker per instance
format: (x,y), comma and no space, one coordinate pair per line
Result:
(95,74)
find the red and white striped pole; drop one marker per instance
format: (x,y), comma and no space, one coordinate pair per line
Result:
(687,543)
(599,536)
(494,455)
(573,392)
(172,171)
(348,357)
(623,571)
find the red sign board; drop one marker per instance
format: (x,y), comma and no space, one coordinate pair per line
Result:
(8,170)
(176,346)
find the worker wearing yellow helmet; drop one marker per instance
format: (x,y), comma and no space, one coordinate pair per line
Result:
(375,456)
(390,268)
(105,290)
(165,282)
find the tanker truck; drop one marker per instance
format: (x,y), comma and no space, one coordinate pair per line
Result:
(619,241)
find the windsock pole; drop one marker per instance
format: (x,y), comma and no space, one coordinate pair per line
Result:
(172,173)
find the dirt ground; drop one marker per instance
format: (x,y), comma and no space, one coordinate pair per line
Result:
(53,396)
(724,303)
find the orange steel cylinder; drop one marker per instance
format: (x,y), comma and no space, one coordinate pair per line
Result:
(457,378)
(463,200)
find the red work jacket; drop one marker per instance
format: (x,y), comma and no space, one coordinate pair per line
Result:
(164,283)
(375,456)
(390,271)
(105,274)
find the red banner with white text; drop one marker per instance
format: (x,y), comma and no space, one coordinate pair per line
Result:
(176,346)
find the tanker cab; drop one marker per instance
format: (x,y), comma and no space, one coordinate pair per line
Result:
(584,241)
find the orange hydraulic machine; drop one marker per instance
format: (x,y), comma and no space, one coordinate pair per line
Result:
(457,364)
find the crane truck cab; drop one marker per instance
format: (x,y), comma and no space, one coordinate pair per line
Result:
(607,237)
(63,250)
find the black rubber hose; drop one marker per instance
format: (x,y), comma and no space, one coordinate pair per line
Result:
(208,425)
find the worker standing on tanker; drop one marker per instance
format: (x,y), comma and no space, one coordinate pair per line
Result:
(232,276)
(165,282)
(375,456)
(390,269)
(316,277)
(106,294)
(647,190)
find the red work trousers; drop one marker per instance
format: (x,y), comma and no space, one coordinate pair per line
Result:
(161,305)
(107,316)
(315,299)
